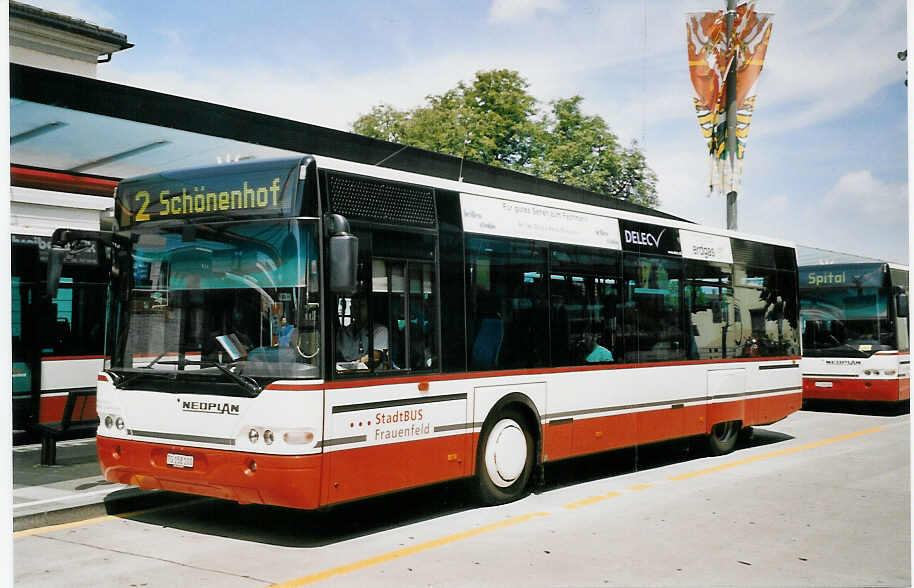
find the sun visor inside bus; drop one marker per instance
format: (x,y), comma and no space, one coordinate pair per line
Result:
(379,201)
(265,188)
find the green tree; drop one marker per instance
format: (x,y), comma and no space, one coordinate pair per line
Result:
(494,121)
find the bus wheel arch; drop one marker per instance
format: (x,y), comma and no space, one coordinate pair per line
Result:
(508,451)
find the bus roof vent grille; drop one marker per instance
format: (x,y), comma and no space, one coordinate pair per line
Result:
(379,201)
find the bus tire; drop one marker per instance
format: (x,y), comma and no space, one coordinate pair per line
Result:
(745,435)
(504,460)
(723,436)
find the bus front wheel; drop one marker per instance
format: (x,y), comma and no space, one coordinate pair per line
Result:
(504,460)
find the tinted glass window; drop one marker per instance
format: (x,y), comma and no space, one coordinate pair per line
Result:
(390,325)
(712,332)
(766,311)
(652,317)
(507,318)
(586,305)
(900,283)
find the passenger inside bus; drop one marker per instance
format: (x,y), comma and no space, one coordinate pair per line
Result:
(352,334)
(595,352)
(285,332)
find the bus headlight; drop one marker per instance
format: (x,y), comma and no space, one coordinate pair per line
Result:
(890,372)
(268,437)
(109,422)
(119,423)
(253,435)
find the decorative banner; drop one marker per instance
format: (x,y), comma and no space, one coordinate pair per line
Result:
(711,54)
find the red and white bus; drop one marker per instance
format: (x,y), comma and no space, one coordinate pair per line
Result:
(855,332)
(57,345)
(309,331)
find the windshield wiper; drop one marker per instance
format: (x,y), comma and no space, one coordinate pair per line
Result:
(122,381)
(246,383)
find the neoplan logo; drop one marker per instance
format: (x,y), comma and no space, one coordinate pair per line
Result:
(211,407)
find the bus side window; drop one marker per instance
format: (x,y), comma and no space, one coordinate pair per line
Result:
(768,297)
(712,328)
(652,315)
(392,324)
(585,305)
(507,314)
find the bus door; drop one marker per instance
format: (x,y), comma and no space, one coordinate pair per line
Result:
(389,423)
(26,345)
(713,332)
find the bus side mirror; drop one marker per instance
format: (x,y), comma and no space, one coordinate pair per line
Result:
(901,305)
(55,267)
(344,255)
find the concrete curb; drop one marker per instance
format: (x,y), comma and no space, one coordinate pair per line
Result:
(119,502)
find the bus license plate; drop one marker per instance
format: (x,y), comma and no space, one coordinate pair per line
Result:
(178,460)
(823,384)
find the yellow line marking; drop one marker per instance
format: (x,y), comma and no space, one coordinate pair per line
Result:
(62,526)
(640,487)
(591,500)
(386,557)
(778,453)
(586,502)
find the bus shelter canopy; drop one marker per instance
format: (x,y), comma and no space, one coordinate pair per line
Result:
(62,139)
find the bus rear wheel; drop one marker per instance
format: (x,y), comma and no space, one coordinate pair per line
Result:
(504,460)
(723,437)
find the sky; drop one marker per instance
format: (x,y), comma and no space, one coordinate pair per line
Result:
(826,160)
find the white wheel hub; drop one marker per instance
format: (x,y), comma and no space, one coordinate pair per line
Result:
(506,453)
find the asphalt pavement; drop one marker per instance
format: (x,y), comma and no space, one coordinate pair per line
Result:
(71,490)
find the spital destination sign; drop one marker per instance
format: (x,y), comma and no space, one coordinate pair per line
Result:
(842,276)
(244,192)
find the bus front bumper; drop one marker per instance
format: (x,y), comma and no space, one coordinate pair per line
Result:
(280,480)
(864,390)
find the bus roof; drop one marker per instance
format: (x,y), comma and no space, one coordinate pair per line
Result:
(598,205)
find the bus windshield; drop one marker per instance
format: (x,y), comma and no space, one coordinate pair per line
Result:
(203,297)
(846,322)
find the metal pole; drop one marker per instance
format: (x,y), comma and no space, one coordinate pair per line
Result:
(731,117)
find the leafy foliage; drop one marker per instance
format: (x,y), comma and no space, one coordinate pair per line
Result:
(496,121)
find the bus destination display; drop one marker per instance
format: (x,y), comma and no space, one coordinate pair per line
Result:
(260,192)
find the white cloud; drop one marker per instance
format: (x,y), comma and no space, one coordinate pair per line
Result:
(513,11)
(867,200)
(860,214)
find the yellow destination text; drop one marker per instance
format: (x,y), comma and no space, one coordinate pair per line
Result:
(198,200)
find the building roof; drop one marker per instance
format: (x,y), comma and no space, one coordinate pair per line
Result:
(68,24)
